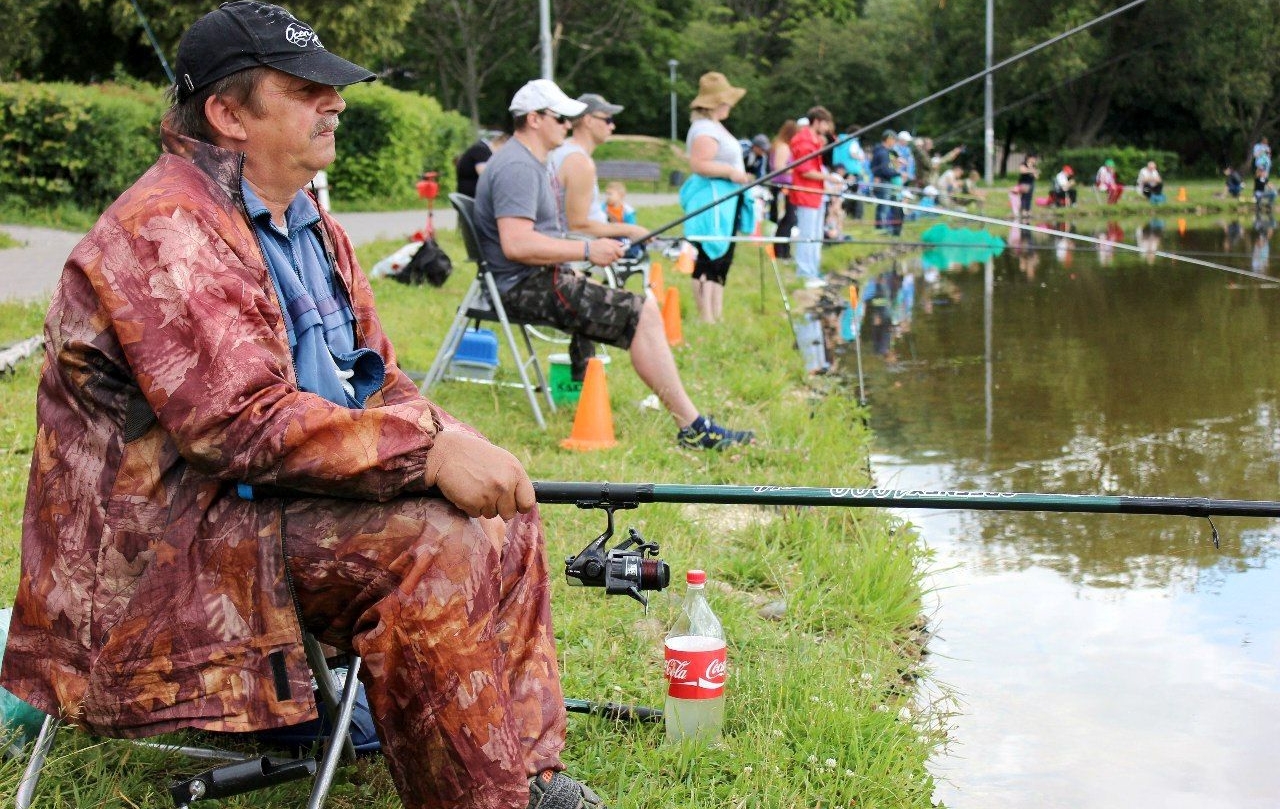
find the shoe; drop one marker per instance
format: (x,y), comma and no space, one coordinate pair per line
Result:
(704,433)
(555,790)
(814,283)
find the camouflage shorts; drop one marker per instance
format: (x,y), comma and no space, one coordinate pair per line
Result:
(571,302)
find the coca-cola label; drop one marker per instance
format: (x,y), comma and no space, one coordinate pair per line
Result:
(696,674)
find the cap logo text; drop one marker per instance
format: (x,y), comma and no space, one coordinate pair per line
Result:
(301,35)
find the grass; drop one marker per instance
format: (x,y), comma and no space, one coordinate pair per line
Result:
(820,707)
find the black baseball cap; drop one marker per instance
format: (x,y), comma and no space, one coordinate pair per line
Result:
(245,34)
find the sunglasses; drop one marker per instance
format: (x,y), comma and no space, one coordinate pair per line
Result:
(608,119)
(560,119)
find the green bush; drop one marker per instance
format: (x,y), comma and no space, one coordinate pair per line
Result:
(387,139)
(66,142)
(1129,159)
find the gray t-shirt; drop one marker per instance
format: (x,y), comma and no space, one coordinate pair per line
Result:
(514,183)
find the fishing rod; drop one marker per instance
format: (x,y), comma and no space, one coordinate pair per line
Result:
(906,206)
(912,106)
(634,566)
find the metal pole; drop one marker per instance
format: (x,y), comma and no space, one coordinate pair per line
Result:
(989,127)
(672,64)
(544,39)
(988,341)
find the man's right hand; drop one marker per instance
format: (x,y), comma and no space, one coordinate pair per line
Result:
(603,252)
(478,477)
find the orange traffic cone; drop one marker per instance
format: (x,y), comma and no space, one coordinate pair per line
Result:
(656,284)
(684,261)
(1182,227)
(593,421)
(671,318)
(1182,193)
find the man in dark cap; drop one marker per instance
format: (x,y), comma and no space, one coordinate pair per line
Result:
(884,173)
(227,453)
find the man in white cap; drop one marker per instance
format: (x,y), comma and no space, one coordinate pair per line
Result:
(907,167)
(228,454)
(520,232)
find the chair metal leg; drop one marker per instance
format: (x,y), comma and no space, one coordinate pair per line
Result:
(341,724)
(326,684)
(532,395)
(453,338)
(39,751)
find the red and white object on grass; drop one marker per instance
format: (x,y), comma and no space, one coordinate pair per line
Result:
(696,665)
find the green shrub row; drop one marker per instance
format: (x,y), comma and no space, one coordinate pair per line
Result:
(1129,160)
(388,138)
(64,143)
(61,142)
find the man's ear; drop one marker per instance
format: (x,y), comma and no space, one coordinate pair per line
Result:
(224,119)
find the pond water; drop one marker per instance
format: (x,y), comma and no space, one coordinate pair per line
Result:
(1095,660)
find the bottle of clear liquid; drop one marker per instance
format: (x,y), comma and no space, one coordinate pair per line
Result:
(696,666)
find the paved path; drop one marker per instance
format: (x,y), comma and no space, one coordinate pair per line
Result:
(31,271)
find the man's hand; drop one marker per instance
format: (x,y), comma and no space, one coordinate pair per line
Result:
(603,252)
(481,479)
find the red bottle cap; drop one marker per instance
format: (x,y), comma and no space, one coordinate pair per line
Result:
(696,577)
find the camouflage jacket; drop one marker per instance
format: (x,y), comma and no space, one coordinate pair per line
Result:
(152,597)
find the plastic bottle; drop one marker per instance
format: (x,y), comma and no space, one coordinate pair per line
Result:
(696,667)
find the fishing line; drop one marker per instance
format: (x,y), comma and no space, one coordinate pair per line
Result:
(906,206)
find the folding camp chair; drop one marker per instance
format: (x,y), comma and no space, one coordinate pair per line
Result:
(482,303)
(245,773)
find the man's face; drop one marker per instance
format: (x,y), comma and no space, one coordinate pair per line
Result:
(550,128)
(292,129)
(599,125)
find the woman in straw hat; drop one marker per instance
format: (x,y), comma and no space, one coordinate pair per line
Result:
(715,158)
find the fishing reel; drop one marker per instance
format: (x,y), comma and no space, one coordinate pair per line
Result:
(629,568)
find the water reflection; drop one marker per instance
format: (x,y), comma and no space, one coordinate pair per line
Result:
(1097,660)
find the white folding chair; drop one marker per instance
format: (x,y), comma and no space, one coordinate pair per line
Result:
(482,303)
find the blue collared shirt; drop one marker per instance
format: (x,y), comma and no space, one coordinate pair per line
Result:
(318,318)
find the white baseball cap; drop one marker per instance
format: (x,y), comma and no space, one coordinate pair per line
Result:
(543,94)
(904,135)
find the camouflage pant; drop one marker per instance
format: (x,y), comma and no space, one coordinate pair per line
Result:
(453,619)
(571,302)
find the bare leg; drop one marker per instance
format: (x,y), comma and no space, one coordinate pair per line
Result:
(715,301)
(651,356)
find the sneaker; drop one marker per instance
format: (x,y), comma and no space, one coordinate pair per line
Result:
(814,283)
(555,790)
(704,433)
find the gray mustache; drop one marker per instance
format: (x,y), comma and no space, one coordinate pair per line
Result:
(329,124)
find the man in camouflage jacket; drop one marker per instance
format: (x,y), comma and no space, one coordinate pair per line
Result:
(160,588)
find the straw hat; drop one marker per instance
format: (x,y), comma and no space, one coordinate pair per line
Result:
(713,90)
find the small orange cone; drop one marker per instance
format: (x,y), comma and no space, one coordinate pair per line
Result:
(1182,227)
(770,252)
(656,284)
(1182,193)
(671,318)
(593,421)
(684,261)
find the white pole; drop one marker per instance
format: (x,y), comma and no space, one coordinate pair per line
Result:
(988,113)
(672,64)
(544,38)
